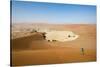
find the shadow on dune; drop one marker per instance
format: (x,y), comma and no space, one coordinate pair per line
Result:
(24,43)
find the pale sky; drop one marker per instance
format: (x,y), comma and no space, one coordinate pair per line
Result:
(29,12)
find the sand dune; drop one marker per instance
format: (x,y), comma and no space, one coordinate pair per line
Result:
(33,49)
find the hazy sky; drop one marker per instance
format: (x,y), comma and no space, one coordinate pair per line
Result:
(28,12)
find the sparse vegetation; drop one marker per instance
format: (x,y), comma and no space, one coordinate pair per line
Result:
(33,30)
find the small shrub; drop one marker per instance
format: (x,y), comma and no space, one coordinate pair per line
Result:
(33,31)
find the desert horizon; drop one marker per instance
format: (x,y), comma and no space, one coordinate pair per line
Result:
(34,50)
(52,33)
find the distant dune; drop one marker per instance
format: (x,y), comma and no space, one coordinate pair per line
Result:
(34,50)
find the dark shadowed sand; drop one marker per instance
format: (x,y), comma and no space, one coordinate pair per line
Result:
(34,50)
